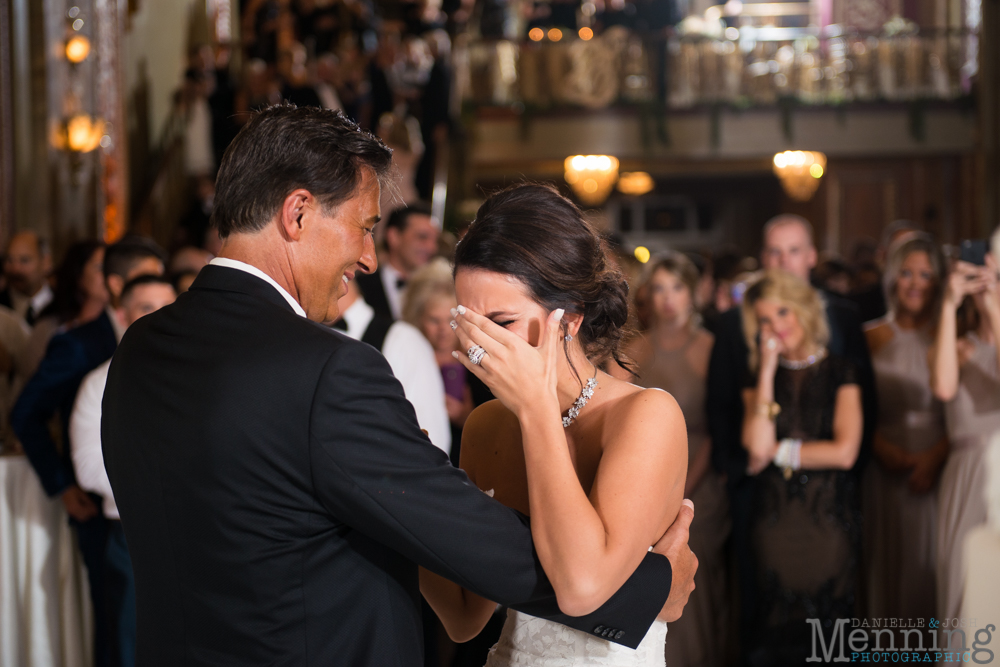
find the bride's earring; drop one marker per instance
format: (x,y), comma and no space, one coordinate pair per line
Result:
(568,338)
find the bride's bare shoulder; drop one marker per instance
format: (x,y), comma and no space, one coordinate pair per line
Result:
(641,411)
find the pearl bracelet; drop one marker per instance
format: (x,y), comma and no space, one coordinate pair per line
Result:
(789,454)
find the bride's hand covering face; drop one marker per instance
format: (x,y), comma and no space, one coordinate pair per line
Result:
(605,488)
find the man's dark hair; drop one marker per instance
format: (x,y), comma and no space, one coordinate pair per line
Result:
(284,148)
(121,257)
(401,216)
(141,281)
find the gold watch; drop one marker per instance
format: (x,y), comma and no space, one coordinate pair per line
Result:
(769,410)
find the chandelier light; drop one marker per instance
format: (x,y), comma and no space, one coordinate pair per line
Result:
(77,49)
(592,177)
(635,183)
(83,133)
(799,172)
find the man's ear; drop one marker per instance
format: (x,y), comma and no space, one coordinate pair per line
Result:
(391,238)
(295,212)
(115,284)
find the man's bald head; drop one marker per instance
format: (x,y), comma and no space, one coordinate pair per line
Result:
(28,262)
(788,245)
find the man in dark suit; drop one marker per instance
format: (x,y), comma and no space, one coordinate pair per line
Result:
(788,246)
(411,240)
(26,268)
(52,390)
(275,489)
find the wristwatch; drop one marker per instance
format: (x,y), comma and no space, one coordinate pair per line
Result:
(769,410)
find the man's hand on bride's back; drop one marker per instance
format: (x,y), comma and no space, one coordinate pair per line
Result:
(683,562)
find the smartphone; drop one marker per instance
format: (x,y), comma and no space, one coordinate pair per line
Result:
(973,251)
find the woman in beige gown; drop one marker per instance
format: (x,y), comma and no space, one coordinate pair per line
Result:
(673,355)
(965,372)
(900,488)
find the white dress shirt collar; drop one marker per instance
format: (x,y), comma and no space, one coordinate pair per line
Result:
(254,271)
(357,318)
(42,298)
(116,323)
(390,282)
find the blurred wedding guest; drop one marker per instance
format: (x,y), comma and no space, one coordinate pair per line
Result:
(409,355)
(80,296)
(787,246)
(401,132)
(835,276)
(965,374)
(411,237)
(673,355)
(199,159)
(910,444)
(52,390)
(26,269)
(42,619)
(802,429)
(327,78)
(140,296)
(867,291)
(189,259)
(430,298)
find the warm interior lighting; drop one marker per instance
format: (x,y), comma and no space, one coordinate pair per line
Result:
(536,34)
(586,34)
(77,49)
(642,254)
(555,34)
(83,134)
(592,176)
(799,172)
(635,183)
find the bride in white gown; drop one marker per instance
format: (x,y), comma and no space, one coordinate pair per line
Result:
(599,464)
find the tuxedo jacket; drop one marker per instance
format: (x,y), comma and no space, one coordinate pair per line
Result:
(728,367)
(373,291)
(277,495)
(51,390)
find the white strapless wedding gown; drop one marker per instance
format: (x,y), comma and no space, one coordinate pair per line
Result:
(527,641)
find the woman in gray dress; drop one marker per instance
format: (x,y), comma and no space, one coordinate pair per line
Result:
(673,355)
(965,372)
(910,445)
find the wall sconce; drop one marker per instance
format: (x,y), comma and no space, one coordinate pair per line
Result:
(635,183)
(799,172)
(83,133)
(77,49)
(591,176)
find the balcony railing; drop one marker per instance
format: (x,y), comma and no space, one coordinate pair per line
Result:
(744,67)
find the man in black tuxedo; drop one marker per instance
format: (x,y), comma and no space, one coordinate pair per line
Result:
(411,241)
(788,246)
(275,489)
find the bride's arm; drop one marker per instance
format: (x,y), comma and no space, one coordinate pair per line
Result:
(463,613)
(588,546)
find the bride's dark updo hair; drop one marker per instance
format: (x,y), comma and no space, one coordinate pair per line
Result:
(531,232)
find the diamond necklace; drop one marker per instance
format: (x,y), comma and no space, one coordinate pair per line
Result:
(585,395)
(794,365)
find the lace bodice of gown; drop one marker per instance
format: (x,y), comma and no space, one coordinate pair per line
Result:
(909,415)
(527,641)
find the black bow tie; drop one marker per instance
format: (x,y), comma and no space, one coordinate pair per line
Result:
(400,283)
(340,324)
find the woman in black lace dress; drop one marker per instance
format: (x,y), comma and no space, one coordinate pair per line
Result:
(802,431)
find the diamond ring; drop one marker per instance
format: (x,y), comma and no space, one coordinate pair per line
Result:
(476,354)
(771,344)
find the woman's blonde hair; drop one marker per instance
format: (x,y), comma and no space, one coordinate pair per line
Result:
(798,295)
(433,280)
